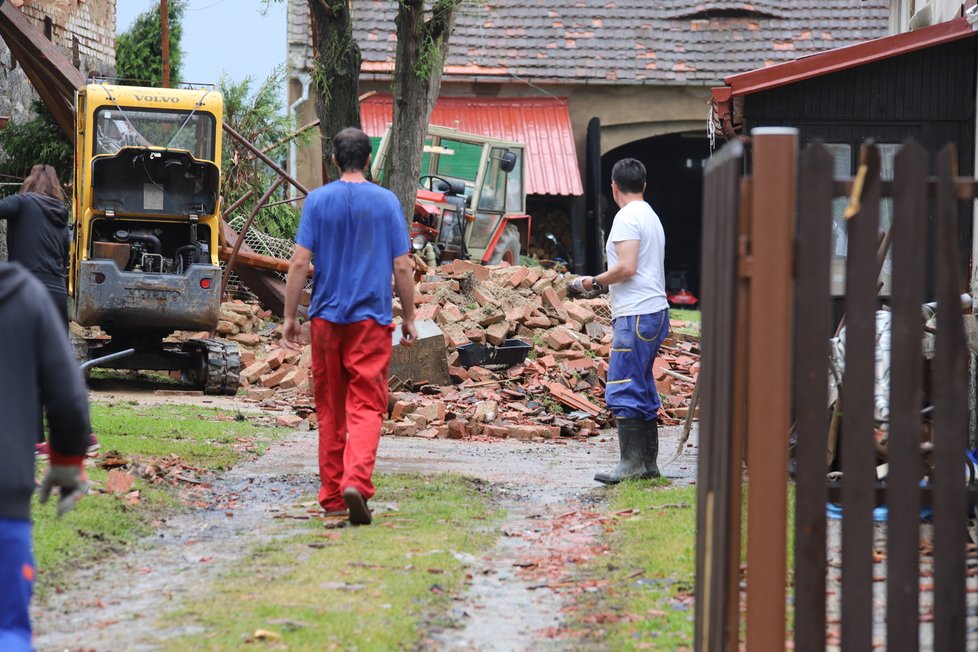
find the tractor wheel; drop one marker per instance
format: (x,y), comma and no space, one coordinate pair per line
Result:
(507,247)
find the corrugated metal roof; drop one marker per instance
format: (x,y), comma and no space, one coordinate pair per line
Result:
(543,125)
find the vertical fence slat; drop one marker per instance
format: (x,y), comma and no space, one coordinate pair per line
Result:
(858,440)
(719,466)
(950,422)
(769,380)
(738,435)
(906,377)
(813,312)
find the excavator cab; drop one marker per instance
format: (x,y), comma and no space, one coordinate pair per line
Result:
(144,254)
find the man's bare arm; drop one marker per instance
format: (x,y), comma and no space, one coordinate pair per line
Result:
(294,284)
(404,289)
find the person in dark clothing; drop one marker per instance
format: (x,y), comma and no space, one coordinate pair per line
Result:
(37,232)
(38,371)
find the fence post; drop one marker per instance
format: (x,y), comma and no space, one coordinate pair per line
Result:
(719,472)
(769,382)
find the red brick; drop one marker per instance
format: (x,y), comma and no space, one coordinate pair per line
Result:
(427,311)
(424,288)
(559,339)
(551,299)
(517,277)
(450,314)
(255,371)
(541,285)
(432,410)
(478,271)
(401,409)
(519,313)
(274,378)
(537,321)
(534,431)
(261,393)
(532,276)
(456,429)
(486,316)
(247,339)
(475,335)
(288,420)
(276,359)
(294,378)
(579,312)
(581,363)
(419,420)
(455,337)
(484,298)
(496,334)
(458,374)
(495,431)
(404,429)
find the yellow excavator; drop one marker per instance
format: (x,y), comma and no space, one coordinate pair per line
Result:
(144,252)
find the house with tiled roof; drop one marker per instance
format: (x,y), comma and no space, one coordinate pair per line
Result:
(638,72)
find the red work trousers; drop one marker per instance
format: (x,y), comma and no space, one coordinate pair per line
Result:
(350,364)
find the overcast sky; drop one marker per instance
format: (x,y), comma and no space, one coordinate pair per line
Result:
(229,36)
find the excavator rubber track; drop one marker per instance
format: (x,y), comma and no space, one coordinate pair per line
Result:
(216,371)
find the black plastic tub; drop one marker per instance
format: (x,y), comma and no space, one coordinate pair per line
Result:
(510,353)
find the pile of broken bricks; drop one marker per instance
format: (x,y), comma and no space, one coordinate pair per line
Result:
(557,391)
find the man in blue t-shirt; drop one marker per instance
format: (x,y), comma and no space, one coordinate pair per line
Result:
(355,231)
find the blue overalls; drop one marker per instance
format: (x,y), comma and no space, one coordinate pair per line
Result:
(630,392)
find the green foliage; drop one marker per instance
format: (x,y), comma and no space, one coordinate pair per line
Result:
(259,116)
(37,140)
(139,50)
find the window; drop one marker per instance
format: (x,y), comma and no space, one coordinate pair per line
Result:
(845,156)
(191,131)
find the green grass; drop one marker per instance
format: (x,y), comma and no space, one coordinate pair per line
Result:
(365,588)
(650,569)
(202,437)
(103,523)
(685,315)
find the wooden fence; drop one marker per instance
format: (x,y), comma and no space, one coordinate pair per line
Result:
(767,320)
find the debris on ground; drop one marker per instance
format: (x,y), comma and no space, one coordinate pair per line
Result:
(551,384)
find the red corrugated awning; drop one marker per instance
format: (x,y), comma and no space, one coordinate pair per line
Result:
(543,125)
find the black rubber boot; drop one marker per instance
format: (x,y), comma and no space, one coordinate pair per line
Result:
(651,450)
(631,448)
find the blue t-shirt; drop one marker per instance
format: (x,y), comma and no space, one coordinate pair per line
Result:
(354,231)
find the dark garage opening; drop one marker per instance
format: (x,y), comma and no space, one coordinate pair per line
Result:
(674,188)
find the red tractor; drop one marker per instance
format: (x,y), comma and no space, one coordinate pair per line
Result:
(471,201)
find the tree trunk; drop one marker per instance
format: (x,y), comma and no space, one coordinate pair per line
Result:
(336,74)
(421,49)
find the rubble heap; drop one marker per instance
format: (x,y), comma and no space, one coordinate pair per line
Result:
(556,391)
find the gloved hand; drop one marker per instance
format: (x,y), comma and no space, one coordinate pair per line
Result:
(71,483)
(576,287)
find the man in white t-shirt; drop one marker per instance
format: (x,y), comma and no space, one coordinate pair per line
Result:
(640,318)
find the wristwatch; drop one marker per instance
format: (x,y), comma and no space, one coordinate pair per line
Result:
(595,285)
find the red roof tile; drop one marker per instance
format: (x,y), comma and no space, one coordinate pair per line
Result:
(692,41)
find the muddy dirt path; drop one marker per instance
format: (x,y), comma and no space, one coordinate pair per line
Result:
(116,605)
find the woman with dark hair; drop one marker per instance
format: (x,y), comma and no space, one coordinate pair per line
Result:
(37,232)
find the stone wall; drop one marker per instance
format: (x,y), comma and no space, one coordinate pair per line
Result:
(83,29)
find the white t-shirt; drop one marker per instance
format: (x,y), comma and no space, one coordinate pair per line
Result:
(645,292)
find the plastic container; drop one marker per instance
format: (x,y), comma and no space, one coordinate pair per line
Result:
(510,353)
